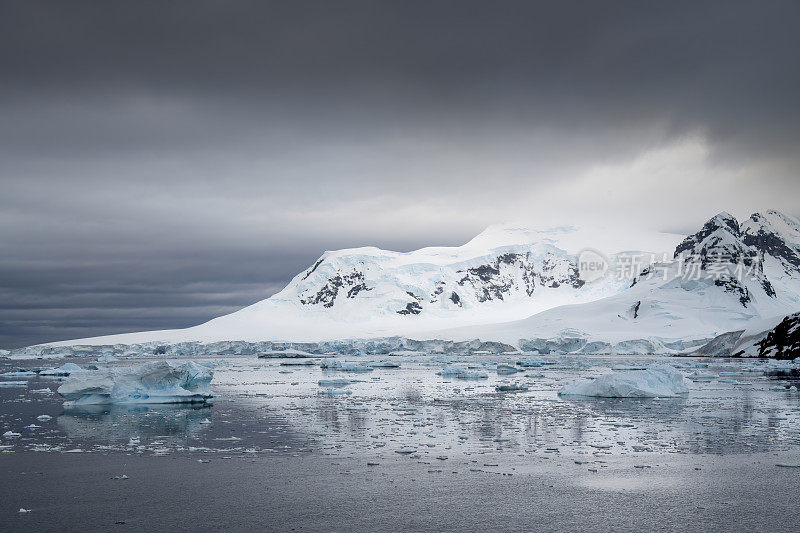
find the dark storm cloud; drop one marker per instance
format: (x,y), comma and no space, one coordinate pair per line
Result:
(165,162)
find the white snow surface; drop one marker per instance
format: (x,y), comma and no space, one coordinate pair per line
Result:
(155,382)
(661,381)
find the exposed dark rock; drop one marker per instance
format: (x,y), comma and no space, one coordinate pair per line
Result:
(313,268)
(783,342)
(760,234)
(327,294)
(439,290)
(735,287)
(412,308)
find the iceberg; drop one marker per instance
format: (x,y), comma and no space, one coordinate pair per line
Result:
(654,382)
(156,382)
(64,370)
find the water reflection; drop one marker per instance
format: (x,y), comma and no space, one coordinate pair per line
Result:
(120,423)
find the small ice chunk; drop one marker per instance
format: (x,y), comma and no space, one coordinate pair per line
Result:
(18,374)
(472,374)
(661,381)
(461,372)
(22,510)
(384,364)
(405,451)
(334,383)
(532,362)
(11,435)
(335,392)
(13,383)
(452,371)
(511,387)
(507,369)
(43,418)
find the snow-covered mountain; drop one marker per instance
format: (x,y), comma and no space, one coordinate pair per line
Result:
(505,273)
(725,285)
(722,279)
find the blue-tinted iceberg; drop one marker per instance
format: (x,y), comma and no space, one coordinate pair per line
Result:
(155,382)
(654,382)
(64,370)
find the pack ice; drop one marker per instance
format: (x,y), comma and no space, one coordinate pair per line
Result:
(654,382)
(155,382)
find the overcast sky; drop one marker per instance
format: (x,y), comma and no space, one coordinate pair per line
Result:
(162,163)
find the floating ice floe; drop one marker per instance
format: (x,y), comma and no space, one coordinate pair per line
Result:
(531,362)
(461,372)
(472,374)
(156,382)
(345,366)
(622,368)
(13,383)
(700,377)
(654,382)
(384,364)
(18,374)
(507,369)
(335,392)
(289,353)
(511,387)
(64,370)
(334,383)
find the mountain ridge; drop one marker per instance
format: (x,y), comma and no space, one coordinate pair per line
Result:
(512,284)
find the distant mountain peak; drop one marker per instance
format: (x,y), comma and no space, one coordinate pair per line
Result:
(720,237)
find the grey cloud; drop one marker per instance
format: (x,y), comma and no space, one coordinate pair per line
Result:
(161,163)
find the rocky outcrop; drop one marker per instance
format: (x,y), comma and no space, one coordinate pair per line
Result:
(783,341)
